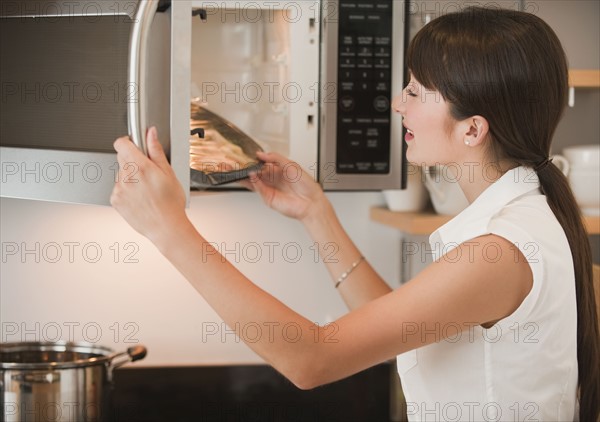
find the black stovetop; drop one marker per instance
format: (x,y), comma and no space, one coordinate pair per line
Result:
(245,393)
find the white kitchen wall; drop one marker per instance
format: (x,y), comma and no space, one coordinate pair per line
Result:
(80,273)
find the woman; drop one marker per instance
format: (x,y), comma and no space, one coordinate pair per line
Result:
(500,327)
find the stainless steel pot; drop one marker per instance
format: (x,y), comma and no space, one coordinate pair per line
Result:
(66,382)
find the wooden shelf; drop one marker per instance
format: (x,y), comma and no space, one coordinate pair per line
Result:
(424,223)
(592,224)
(418,223)
(584,78)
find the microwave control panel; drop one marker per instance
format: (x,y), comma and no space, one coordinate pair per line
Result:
(364,86)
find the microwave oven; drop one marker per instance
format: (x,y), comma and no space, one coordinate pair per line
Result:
(312,80)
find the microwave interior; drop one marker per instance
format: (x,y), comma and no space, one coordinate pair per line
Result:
(240,69)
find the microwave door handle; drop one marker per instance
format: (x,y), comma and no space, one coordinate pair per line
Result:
(138,46)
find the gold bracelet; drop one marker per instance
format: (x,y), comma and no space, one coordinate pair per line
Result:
(348,271)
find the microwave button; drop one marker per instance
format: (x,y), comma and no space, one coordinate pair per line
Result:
(347,63)
(347,103)
(366,74)
(382,87)
(365,63)
(374,18)
(365,52)
(356,18)
(365,6)
(348,51)
(347,74)
(364,166)
(364,120)
(347,86)
(372,131)
(348,40)
(382,64)
(372,143)
(382,52)
(347,120)
(365,86)
(382,74)
(383,41)
(381,103)
(345,166)
(381,167)
(381,121)
(365,40)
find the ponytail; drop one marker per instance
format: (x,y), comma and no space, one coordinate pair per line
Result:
(562,202)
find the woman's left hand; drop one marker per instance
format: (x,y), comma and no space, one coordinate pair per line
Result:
(147,193)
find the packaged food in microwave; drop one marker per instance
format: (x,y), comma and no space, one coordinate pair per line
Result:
(220,152)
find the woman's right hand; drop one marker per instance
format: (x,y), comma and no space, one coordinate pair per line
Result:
(286,187)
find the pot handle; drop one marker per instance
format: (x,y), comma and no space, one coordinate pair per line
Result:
(131,355)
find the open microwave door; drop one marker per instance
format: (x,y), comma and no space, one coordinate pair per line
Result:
(77,75)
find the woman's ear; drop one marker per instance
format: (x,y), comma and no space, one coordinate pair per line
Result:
(475,130)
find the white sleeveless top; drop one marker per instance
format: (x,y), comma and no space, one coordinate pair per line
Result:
(524,368)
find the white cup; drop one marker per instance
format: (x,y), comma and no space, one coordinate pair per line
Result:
(413,198)
(584,176)
(562,163)
(446,194)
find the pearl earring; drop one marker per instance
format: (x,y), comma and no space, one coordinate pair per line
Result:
(467,142)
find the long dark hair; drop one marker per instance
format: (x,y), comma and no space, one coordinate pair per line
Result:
(510,68)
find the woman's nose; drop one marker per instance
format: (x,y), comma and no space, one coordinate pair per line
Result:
(398,104)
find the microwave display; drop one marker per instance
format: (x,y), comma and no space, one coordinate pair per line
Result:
(364,84)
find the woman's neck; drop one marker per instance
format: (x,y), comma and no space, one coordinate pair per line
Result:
(477,178)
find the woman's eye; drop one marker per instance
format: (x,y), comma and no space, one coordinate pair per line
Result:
(410,93)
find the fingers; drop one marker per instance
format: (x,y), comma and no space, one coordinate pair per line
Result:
(273,158)
(255,184)
(247,184)
(128,153)
(155,150)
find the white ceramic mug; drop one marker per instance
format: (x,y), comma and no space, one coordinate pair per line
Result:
(584,176)
(562,163)
(446,194)
(413,198)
